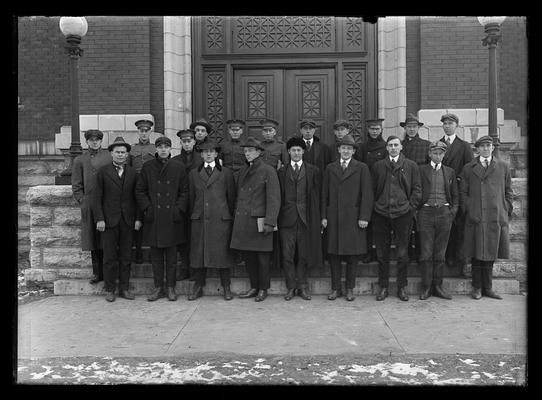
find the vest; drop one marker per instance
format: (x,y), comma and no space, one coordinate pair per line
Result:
(295,196)
(437,196)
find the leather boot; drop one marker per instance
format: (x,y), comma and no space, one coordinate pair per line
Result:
(304,294)
(289,295)
(126,294)
(171,295)
(334,294)
(476,294)
(197,292)
(491,293)
(156,294)
(227,293)
(440,292)
(110,296)
(262,295)
(249,293)
(382,294)
(350,295)
(401,293)
(425,293)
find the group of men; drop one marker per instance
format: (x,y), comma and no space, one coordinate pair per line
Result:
(302,201)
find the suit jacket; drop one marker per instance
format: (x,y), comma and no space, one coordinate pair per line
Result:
(114,198)
(457,155)
(450,185)
(318,154)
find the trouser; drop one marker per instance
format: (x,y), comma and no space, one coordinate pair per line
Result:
(434,229)
(454,250)
(257,264)
(157,259)
(382,228)
(138,239)
(482,274)
(200,275)
(117,254)
(336,271)
(97,257)
(292,239)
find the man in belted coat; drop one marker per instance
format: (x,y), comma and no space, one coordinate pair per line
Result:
(347,202)
(231,152)
(83,180)
(458,153)
(316,152)
(162,195)
(256,213)
(211,209)
(438,206)
(299,219)
(275,153)
(117,217)
(397,189)
(486,197)
(141,152)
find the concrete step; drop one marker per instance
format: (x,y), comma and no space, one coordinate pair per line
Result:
(317,286)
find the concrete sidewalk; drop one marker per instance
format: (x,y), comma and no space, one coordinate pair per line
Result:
(72,326)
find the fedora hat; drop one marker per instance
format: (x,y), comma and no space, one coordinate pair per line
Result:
(253,142)
(119,141)
(411,118)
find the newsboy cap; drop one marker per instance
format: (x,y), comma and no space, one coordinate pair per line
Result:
(296,141)
(235,122)
(268,122)
(94,133)
(452,117)
(162,140)
(342,122)
(253,142)
(186,133)
(347,140)
(119,141)
(202,122)
(209,145)
(374,122)
(308,122)
(411,118)
(483,139)
(438,144)
(141,123)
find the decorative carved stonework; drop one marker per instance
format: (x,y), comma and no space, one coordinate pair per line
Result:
(354,32)
(257,100)
(353,101)
(311,93)
(215,101)
(214,27)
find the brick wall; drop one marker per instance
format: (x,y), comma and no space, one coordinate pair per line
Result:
(157,72)
(413,64)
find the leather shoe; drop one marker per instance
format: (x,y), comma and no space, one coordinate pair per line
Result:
(156,294)
(334,294)
(262,295)
(425,294)
(249,293)
(491,293)
(382,294)
(440,292)
(476,294)
(126,294)
(304,294)
(289,295)
(171,295)
(197,292)
(110,296)
(227,293)
(95,279)
(350,295)
(401,293)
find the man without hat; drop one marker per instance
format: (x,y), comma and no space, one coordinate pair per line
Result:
(117,216)
(211,209)
(83,180)
(275,153)
(397,189)
(162,195)
(299,219)
(438,206)
(231,152)
(256,213)
(347,201)
(458,153)
(416,149)
(316,153)
(141,152)
(486,197)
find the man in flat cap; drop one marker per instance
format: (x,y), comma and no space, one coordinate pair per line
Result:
(256,213)
(486,197)
(211,209)
(117,216)
(397,189)
(416,149)
(231,153)
(299,219)
(347,202)
(162,195)
(83,180)
(438,206)
(275,153)
(202,129)
(141,152)
(458,153)
(371,151)
(315,153)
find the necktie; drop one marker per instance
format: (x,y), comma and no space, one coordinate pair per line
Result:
(119,170)
(343,165)
(486,163)
(448,141)
(296,170)
(435,167)
(308,145)
(209,170)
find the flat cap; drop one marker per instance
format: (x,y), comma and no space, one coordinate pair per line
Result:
(452,117)
(209,145)
(269,122)
(235,122)
(347,140)
(252,142)
(308,122)
(438,144)
(94,133)
(483,139)
(411,118)
(162,140)
(144,123)
(202,122)
(186,133)
(119,141)
(374,121)
(296,141)
(342,122)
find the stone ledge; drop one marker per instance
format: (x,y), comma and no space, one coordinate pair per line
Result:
(51,195)
(50,275)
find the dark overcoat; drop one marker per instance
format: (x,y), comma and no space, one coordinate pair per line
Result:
(84,171)
(194,160)
(318,155)
(162,195)
(211,208)
(372,150)
(346,198)
(485,196)
(457,155)
(258,195)
(313,179)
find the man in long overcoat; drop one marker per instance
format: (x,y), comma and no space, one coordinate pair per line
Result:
(299,219)
(485,195)
(316,152)
(162,195)
(258,201)
(347,202)
(117,216)
(211,208)
(85,168)
(458,153)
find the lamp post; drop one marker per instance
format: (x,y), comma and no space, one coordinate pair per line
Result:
(73,28)
(492,27)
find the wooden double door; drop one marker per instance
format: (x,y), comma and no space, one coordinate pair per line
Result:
(288,96)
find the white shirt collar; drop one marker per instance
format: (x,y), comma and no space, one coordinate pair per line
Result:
(293,163)
(482,159)
(211,164)
(437,165)
(452,138)
(346,161)
(309,140)
(396,158)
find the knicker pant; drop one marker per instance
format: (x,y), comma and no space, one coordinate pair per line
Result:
(200,275)
(117,253)
(482,274)
(294,239)
(257,264)
(336,271)
(158,254)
